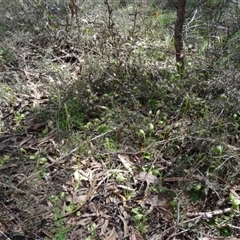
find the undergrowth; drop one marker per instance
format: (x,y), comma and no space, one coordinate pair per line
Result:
(101,102)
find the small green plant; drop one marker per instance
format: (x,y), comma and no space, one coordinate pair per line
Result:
(7,89)
(107,143)
(60,229)
(196,192)
(147,155)
(220,223)
(6,56)
(225,231)
(67,119)
(42,161)
(71,115)
(219,150)
(151,128)
(204,111)
(53,199)
(219,126)
(120,178)
(70,208)
(143,135)
(4,159)
(93,233)
(151,169)
(127,195)
(18,118)
(187,103)
(167,131)
(234,201)
(140,219)
(235,119)
(103,128)
(45,131)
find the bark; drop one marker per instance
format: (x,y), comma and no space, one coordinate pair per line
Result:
(178,35)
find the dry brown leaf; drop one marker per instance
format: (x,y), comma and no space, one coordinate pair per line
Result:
(161,199)
(47,233)
(104,226)
(126,162)
(148,177)
(80,175)
(93,209)
(155,201)
(135,235)
(76,198)
(112,235)
(84,222)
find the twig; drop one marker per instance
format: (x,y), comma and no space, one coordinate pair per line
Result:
(207,215)
(7,238)
(234,227)
(16,189)
(101,135)
(177,234)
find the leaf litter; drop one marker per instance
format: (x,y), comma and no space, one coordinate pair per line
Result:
(94,197)
(42,172)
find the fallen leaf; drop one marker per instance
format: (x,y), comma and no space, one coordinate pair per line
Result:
(135,235)
(148,177)
(126,162)
(112,235)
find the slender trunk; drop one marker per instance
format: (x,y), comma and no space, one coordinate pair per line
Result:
(178,36)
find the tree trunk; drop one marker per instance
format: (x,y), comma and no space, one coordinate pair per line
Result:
(178,36)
